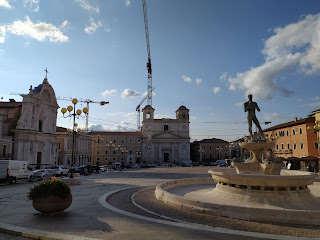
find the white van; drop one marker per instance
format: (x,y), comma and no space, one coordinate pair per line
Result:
(14,170)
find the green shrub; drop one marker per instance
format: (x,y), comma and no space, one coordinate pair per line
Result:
(52,187)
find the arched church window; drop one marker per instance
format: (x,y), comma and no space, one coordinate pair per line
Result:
(148,115)
(184,115)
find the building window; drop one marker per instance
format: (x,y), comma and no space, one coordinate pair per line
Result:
(130,152)
(276,134)
(114,152)
(106,151)
(210,154)
(316,145)
(106,159)
(183,115)
(294,145)
(130,140)
(288,145)
(301,145)
(148,115)
(293,132)
(122,140)
(59,145)
(287,133)
(165,127)
(40,125)
(107,140)
(281,145)
(149,148)
(139,140)
(114,140)
(210,147)
(300,130)
(277,146)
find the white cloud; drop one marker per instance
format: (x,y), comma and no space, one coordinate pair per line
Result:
(216,90)
(295,46)
(96,127)
(127,3)
(93,26)
(88,5)
(32,4)
(160,116)
(2,34)
(269,117)
(1,52)
(65,24)
(223,77)
(198,81)
(111,92)
(186,79)
(5,4)
(39,31)
(127,93)
(315,104)
(239,104)
(316,98)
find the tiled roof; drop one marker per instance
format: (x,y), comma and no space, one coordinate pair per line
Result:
(10,104)
(114,133)
(290,124)
(212,140)
(61,129)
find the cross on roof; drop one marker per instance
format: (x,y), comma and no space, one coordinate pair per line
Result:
(46,70)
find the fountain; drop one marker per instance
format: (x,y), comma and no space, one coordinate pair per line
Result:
(258,190)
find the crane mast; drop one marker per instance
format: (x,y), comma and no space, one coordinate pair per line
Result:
(149,68)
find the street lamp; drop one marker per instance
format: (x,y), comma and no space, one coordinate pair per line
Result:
(74,115)
(110,145)
(219,149)
(201,151)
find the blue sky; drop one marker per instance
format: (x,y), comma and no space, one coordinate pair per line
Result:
(205,54)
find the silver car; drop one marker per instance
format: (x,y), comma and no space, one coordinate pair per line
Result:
(42,174)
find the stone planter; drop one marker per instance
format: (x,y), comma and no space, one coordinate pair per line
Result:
(52,204)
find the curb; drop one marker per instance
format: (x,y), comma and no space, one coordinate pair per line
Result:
(39,234)
(103,201)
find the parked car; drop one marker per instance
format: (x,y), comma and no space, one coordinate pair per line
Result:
(14,170)
(83,170)
(103,168)
(136,165)
(220,163)
(59,170)
(42,174)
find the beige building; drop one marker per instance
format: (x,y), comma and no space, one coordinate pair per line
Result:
(210,150)
(82,148)
(165,140)
(295,139)
(116,147)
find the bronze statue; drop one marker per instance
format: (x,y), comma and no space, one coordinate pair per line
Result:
(251,107)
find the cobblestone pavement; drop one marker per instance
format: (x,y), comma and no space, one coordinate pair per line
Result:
(87,218)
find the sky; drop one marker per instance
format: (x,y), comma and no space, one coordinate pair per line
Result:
(207,55)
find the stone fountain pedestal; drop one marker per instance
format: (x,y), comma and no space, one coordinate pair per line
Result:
(255,166)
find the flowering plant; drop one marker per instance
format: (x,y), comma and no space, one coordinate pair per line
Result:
(53,187)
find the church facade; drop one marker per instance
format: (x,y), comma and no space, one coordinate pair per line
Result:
(34,135)
(165,140)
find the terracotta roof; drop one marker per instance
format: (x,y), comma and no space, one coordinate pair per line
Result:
(10,104)
(212,140)
(114,133)
(61,129)
(290,124)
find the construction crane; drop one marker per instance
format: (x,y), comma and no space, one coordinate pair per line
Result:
(88,101)
(149,68)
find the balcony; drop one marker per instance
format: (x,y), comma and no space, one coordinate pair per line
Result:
(283,151)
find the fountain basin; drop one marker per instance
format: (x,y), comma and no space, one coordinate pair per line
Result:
(288,180)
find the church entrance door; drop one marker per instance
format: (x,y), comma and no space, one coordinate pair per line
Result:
(39,159)
(166,157)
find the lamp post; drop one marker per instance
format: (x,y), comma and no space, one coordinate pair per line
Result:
(110,145)
(201,151)
(219,149)
(138,158)
(74,115)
